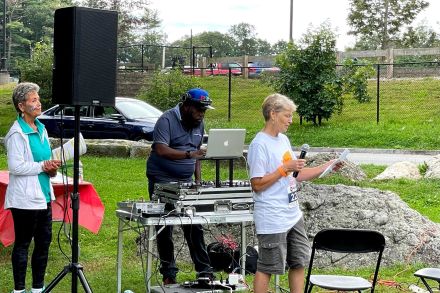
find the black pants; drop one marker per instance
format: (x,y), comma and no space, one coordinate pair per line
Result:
(196,244)
(28,224)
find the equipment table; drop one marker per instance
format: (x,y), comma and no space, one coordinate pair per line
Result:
(132,221)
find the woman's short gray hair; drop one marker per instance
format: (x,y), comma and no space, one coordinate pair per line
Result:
(21,91)
(277,103)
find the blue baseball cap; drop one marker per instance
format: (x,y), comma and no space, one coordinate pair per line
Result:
(199,97)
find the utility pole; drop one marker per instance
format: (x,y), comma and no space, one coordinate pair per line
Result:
(291,22)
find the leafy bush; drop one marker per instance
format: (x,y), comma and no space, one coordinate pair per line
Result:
(164,90)
(355,79)
(308,75)
(38,69)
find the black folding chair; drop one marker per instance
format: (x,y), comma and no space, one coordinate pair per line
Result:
(430,274)
(345,241)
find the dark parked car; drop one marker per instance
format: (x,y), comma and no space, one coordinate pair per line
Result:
(130,119)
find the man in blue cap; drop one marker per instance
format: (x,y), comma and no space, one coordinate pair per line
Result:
(177,138)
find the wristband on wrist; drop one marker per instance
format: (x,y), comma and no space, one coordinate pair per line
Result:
(282,171)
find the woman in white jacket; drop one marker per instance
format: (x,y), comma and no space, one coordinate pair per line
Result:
(29,193)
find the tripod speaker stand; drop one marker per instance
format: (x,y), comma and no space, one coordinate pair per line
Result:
(74,267)
(84,74)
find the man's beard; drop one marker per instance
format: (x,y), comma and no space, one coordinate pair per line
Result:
(190,122)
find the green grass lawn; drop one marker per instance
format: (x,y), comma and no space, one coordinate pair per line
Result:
(7,110)
(409,119)
(121,179)
(409,114)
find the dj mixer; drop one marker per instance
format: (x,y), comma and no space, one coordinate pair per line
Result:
(204,198)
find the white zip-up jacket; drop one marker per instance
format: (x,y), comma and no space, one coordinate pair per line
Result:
(24,190)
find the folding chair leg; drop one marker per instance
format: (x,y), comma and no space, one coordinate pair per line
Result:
(426,285)
(277,284)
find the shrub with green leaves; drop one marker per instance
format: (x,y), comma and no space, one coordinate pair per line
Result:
(164,90)
(308,75)
(38,69)
(355,79)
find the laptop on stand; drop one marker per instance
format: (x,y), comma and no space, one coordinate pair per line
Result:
(225,144)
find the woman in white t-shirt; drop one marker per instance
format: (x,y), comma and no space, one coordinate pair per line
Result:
(278,219)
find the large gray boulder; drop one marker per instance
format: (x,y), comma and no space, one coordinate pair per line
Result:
(349,170)
(433,171)
(120,148)
(410,237)
(400,170)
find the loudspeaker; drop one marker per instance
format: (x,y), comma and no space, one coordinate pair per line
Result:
(85,48)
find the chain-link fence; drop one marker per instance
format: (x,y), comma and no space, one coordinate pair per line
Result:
(143,57)
(398,92)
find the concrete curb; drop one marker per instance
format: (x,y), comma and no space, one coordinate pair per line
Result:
(375,151)
(107,147)
(366,150)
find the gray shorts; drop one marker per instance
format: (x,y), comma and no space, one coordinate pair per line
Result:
(275,250)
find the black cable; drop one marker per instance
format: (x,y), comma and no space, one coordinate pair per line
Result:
(64,175)
(179,251)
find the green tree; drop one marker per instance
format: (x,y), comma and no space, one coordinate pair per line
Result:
(164,91)
(262,48)
(279,47)
(29,22)
(138,24)
(421,36)
(222,44)
(38,69)
(308,75)
(378,23)
(134,16)
(245,36)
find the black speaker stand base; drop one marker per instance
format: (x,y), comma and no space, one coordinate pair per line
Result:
(77,271)
(74,267)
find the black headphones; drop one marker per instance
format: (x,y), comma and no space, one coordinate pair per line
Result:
(185,97)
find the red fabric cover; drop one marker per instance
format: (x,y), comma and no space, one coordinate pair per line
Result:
(90,214)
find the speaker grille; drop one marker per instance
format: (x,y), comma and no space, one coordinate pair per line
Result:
(85,48)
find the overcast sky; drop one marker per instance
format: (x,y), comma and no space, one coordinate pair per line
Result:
(270,18)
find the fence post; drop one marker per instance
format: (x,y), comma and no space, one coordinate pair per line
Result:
(390,61)
(203,67)
(229,93)
(193,59)
(163,57)
(377,92)
(245,68)
(142,58)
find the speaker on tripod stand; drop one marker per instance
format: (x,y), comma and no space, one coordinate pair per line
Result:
(84,73)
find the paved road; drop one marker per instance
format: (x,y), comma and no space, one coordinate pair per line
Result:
(381,156)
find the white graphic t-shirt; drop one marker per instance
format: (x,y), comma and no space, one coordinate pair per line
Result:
(276,208)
